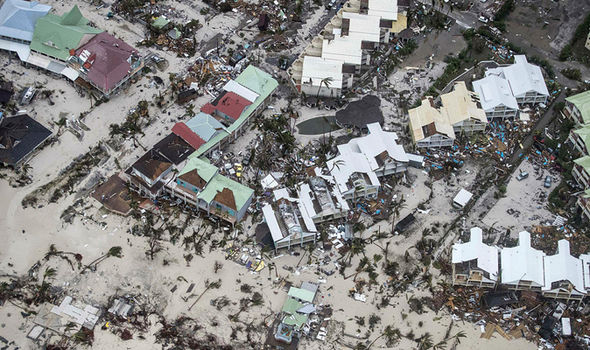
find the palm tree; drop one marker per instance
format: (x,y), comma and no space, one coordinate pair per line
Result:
(25,168)
(114,251)
(327,82)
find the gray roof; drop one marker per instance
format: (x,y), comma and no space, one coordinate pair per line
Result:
(205,126)
(18,18)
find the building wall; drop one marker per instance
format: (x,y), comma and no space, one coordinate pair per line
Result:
(369,191)
(531,97)
(581,176)
(435,141)
(469,127)
(573,112)
(501,112)
(584,204)
(577,142)
(310,90)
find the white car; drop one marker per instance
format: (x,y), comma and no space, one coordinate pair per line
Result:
(483,19)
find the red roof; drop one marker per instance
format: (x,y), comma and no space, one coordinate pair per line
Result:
(184,132)
(230,104)
(208,108)
(108,61)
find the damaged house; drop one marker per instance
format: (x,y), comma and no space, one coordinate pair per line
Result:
(288,221)
(200,184)
(105,63)
(522,266)
(475,263)
(153,170)
(20,135)
(564,274)
(228,116)
(459,113)
(559,276)
(360,163)
(496,98)
(525,80)
(329,64)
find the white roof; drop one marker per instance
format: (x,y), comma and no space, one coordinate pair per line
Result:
(358,155)
(563,266)
(487,256)
(233,86)
(463,197)
(23,50)
(376,142)
(522,263)
(347,163)
(269,182)
(523,77)
(271,221)
(494,91)
(586,266)
(345,49)
(363,27)
(315,69)
(306,207)
(304,194)
(283,193)
(386,9)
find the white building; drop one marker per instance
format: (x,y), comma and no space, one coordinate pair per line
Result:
(288,221)
(564,275)
(321,77)
(586,271)
(349,37)
(321,200)
(522,266)
(495,97)
(364,159)
(475,263)
(526,80)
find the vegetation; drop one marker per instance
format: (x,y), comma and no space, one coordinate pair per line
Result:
(572,73)
(502,13)
(575,49)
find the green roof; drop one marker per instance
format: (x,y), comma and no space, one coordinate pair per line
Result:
(584,162)
(584,133)
(291,306)
(256,80)
(582,102)
(205,170)
(56,35)
(302,294)
(160,22)
(218,183)
(587,193)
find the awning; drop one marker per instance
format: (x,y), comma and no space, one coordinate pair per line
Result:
(22,50)
(70,73)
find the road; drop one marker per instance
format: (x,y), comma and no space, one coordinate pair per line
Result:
(464,19)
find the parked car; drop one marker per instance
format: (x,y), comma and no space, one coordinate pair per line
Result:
(548,181)
(523,175)
(483,19)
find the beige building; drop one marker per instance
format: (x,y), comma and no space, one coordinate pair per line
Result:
(460,113)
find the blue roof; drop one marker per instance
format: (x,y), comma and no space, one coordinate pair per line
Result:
(205,126)
(18,18)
